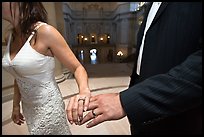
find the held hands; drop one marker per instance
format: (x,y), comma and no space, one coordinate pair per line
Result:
(103,107)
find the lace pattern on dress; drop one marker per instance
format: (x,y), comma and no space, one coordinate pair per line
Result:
(44,110)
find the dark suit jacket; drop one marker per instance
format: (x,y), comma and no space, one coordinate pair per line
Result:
(167,97)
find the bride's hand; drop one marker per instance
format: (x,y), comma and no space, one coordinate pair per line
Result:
(77,105)
(17,117)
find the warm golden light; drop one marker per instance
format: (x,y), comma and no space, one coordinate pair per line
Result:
(120,53)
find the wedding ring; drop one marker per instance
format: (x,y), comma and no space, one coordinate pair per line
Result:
(94,114)
(82,99)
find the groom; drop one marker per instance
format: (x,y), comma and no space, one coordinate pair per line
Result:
(165,91)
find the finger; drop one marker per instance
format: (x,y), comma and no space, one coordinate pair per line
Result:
(97,120)
(18,123)
(21,120)
(92,105)
(93,98)
(86,103)
(69,110)
(21,116)
(80,109)
(75,110)
(87,117)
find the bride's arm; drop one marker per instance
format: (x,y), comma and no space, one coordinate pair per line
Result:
(17,117)
(50,39)
(16,96)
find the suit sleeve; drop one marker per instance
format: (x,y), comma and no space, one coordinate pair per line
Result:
(165,94)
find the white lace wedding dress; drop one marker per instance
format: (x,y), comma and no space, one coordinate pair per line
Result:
(42,102)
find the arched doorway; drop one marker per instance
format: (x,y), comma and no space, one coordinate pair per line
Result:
(93,56)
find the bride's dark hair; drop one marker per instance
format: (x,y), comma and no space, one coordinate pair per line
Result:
(30,13)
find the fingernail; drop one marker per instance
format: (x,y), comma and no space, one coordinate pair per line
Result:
(85,108)
(71,122)
(80,118)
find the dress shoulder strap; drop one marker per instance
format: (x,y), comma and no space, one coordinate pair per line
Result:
(39,25)
(36,28)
